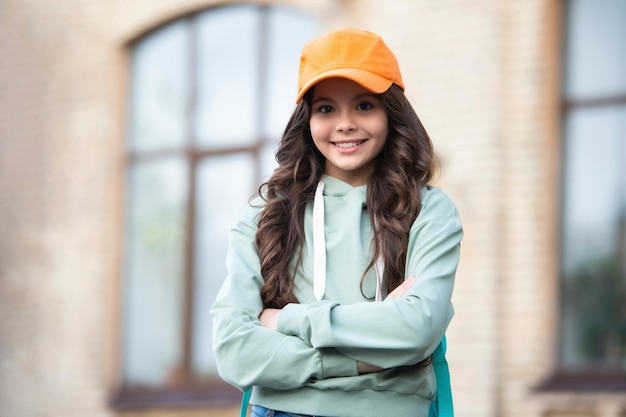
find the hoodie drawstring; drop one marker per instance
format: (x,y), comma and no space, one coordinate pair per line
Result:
(319,250)
(319,243)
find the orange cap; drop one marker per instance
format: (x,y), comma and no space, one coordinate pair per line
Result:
(357,55)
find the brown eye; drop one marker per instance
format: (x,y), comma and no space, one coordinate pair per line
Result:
(325,109)
(366,105)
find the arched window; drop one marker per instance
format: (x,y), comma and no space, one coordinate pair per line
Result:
(593,259)
(210,95)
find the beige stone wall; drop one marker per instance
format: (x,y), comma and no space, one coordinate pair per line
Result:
(58,191)
(483,75)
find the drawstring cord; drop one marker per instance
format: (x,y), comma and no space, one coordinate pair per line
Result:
(319,243)
(319,250)
(379,266)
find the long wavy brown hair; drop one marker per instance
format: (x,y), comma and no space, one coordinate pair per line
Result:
(406,163)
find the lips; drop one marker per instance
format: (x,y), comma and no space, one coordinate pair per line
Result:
(347,145)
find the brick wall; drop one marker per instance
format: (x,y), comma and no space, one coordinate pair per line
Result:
(57,181)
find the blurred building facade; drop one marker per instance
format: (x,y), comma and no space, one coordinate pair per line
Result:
(131,133)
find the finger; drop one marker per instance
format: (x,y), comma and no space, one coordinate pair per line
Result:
(402,289)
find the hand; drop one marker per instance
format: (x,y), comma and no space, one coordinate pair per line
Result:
(366,368)
(269,318)
(402,289)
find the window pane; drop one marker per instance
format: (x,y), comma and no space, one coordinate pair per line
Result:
(596,58)
(228,69)
(160,89)
(220,204)
(594,236)
(288,32)
(267,161)
(154,275)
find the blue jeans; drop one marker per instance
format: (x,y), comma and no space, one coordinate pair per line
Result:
(258,411)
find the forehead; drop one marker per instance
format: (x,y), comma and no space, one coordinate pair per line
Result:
(336,88)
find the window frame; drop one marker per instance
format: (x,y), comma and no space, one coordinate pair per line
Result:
(188,391)
(562,378)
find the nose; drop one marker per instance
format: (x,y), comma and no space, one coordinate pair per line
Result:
(345,123)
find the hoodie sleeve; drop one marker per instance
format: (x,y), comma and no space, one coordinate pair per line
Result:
(394,332)
(246,352)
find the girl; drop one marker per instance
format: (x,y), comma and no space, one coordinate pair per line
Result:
(315,313)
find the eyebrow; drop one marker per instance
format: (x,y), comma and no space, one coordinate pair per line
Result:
(355,98)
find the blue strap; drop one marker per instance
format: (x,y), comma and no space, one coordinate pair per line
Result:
(244,402)
(442,406)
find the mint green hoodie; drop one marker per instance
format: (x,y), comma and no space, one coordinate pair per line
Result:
(310,365)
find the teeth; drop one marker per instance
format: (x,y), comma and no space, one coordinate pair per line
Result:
(348,144)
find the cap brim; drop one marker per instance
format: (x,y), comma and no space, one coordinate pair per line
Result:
(371,82)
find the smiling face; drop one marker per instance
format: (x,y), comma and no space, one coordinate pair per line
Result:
(349,127)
